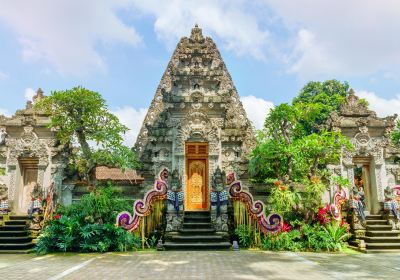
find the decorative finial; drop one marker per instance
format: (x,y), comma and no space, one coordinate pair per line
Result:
(196,34)
(351,92)
(39,95)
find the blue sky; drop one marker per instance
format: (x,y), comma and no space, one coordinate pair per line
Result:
(271,48)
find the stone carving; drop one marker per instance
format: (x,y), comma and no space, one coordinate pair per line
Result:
(28,145)
(391,207)
(174,202)
(143,207)
(256,209)
(4,206)
(219,201)
(3,136)
(195,101)
(36,200)
(357,203)
(353,106)
(338,200)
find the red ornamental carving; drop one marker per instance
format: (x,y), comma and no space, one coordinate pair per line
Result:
(336,207)
(272,223)
(142,208)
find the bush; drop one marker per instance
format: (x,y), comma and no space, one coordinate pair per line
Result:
(308,237)
(88,226)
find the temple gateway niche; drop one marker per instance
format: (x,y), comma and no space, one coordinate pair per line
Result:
(373,164)
(31,158)
(195,123)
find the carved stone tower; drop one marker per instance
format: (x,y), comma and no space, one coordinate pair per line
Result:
(196,121)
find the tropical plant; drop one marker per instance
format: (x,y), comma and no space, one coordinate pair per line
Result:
(245,236)
(88,226)
(335,235)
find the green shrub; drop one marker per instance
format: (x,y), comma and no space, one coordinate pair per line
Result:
(88,226)
(308,237)
(245,236)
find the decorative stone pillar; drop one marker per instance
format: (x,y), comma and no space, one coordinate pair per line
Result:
(12,170)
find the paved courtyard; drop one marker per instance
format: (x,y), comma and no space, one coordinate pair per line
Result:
(201,265)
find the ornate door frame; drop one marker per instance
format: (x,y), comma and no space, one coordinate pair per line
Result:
(197,152)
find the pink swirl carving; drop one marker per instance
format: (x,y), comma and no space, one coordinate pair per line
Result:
(142,208)
(272,223)
(336,207)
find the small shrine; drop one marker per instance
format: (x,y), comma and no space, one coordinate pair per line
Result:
(30,156)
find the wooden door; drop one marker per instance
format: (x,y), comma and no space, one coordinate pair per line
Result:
(196,187)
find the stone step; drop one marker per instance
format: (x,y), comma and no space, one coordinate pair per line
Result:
(196,238)
(19,233)
(15,222)
(196,231)
(13,228)
(374,217)
(16,246)
(27,251)
(376,222)
(379,227)
(382,246)
(196,219)
(19,217)
(197,213)
(382,239)
(197,246)
(197,225)
(379,251)
(19,239)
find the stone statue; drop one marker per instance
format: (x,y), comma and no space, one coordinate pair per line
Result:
(4,207)
(36,201)
(219,201)
(174,202)
(176,181)
(357,203)
(3,136)
(218,180)
(390,203)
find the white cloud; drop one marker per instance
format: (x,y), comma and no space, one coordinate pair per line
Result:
(65,33)
(383,107)
(133,119)
(3,76)
(332,38)
(29,93)
(234,22)
(257,109)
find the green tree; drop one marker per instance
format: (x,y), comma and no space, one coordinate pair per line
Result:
(81,117)
(286,150)
(325,97)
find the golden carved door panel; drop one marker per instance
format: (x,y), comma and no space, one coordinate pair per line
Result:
(196,187)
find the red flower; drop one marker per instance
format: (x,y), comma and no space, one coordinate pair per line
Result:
(56,217)
(323,216)
(286,227)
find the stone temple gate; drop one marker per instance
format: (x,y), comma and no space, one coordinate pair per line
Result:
(196,122)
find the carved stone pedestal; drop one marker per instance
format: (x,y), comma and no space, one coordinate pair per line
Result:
(174,218)
(220,221)
(395,223)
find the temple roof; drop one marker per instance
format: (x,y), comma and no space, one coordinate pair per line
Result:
(27,116)
(354,113)
(104,173)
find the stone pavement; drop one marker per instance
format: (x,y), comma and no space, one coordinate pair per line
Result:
(201,265)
